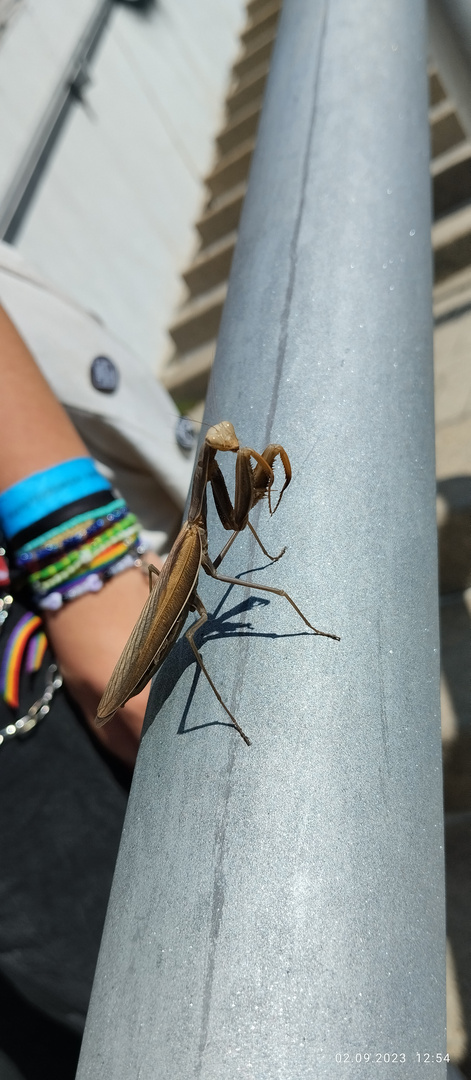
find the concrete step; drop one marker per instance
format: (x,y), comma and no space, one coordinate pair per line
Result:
(255,6)
(445,128)
(456,1038)
(246,89)
(458,882)
(450,228)
(259,50)
(186,377)
(242,125)
(453,419)
(454,538)
(453,258)
(456,740)
(451,242)
(231,169)
(222,215)
(211,265)
(198,320)
(451,176)
(262,19)
(442,108)
(452,295)
(436,89)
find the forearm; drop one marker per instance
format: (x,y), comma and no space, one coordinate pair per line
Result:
(87,634)
(36,432)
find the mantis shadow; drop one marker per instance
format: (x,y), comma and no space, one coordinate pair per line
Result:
(181,657)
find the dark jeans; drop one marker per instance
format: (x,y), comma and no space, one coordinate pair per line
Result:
(62,806)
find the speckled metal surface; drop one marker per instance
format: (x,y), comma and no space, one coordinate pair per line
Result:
(279,909)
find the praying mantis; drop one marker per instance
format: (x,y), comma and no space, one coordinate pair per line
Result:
(174,594)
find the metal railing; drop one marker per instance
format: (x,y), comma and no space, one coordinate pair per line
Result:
(17,198)
(278,910)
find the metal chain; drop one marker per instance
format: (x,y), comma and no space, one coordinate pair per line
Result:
(37,711)
(40,708)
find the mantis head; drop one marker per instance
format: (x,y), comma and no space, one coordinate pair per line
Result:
(222,436)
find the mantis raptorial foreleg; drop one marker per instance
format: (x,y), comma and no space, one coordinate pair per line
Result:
(222,554)
(273,558)
(271,452)
(251,485)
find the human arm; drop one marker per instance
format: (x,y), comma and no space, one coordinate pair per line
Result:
(88,633)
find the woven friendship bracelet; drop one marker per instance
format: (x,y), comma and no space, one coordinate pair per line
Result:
(69,534)
(87,565)
(90,582)
(86,551)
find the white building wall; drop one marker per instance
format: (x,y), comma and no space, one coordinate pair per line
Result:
(111,223)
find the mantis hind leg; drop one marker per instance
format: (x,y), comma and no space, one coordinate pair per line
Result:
(200,608)
(210,569)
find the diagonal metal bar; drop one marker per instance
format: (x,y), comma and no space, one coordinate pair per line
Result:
(17,198)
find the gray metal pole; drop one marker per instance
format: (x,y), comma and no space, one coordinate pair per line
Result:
(450,45)
(278,911)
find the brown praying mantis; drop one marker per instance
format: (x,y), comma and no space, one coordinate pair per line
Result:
(174,593)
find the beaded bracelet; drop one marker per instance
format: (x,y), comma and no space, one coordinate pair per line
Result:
(75,547)
(85,537)
(90,582)
(86,551)
(67,537)
(62,582)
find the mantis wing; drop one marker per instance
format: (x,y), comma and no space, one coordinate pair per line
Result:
(158,625)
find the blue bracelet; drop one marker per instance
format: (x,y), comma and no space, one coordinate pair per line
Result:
(44,492)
